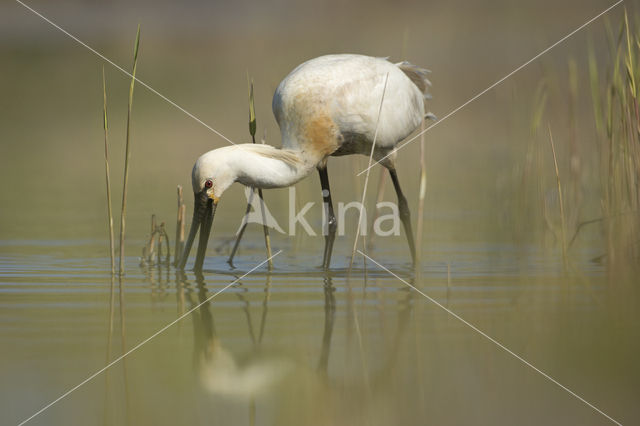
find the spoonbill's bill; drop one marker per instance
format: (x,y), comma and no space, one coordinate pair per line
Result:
(327,106)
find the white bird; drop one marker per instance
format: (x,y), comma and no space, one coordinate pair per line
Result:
(327,106)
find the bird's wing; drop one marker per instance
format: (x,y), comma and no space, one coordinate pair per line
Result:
(349,88)
(356,102)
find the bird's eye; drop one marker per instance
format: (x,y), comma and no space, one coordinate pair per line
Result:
(208,184)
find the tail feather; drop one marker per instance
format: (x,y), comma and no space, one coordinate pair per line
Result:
(417,75)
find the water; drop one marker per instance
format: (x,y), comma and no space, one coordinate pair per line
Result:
(293,347)
(298,347)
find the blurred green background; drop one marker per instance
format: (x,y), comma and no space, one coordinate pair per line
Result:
(491,232)
(198,55)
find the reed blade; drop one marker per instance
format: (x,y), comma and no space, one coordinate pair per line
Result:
(128,152)
(105,122)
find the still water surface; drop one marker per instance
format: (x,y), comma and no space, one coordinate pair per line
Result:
(297,347)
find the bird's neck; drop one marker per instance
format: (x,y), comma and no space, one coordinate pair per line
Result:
(263,166)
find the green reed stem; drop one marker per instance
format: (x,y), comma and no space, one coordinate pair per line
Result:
(128,152)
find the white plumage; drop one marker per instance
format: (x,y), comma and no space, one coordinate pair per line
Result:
(327,106)
(347,90)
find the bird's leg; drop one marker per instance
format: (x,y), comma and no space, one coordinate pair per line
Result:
(329,320)
(405,216)
(241,233)
(267,240)
(332,223)
(379,199)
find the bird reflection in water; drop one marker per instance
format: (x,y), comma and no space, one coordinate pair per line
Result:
(289,386)
(218,369)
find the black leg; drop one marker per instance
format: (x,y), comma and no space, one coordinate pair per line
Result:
(405,216)
(329,318)
(332,223)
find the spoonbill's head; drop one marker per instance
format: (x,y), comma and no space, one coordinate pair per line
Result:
(210,177)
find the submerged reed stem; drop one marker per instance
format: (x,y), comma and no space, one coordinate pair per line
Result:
(179,228)
(267,238)
(563,225)
(252,130)
(421,197)
(366,180)
(112,253)
(128,152)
